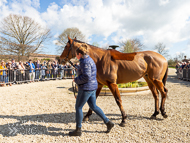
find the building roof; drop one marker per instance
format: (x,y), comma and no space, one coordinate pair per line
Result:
(44,55)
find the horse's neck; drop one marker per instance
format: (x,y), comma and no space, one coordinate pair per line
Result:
(96,53)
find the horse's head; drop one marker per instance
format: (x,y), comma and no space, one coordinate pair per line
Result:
(69,51)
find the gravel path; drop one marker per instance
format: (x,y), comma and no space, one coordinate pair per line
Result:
(45,112)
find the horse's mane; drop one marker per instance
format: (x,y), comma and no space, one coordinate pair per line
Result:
(88,44)
(106,59)
(109,55)
(115,55)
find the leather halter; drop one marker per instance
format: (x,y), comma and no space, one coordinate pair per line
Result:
(71,47)
(66,58)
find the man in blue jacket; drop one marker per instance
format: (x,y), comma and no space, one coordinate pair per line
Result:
(87,85)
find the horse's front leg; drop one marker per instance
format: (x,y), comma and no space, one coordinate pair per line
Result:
(89,113)
(115,91)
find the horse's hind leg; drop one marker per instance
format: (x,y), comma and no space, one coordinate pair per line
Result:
(115,91)
(160,86)
(155,95)
(162,108)
(89,113)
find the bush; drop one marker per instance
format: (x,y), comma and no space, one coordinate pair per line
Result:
(172,63)
(45,59)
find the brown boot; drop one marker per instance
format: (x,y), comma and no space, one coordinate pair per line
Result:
(76,132)
(109,125)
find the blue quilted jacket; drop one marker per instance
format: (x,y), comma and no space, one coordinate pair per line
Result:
(86,79)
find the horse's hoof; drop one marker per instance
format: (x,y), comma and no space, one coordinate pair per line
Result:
(122,124)
(85,119)
(153,117)
(165,116)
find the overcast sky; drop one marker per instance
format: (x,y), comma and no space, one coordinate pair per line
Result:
(110,21)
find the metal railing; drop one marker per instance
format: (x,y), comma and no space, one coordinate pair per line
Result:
(183,74)
(24,76)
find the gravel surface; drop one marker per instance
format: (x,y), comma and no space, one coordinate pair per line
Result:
(45,112)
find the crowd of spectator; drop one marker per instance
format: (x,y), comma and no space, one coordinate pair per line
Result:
(183,70)
(183,65)
(18,72)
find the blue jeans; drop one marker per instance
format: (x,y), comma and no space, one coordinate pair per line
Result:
(37,74)
(61,74)
(4,78)
(48,75)
(89,97)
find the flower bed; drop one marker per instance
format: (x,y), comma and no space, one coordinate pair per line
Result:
(134,84)
(132,88)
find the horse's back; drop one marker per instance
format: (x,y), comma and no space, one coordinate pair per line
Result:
(153,54)
(145,62)
(156,64)
(123,71)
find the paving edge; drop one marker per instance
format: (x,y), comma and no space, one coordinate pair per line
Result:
(127,91)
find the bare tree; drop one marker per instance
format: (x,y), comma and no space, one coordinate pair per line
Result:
(72,33)
(181,56)
(1,49)
(1,52)
(172,62)
(21,35)
(129,46)
(95,44)
(161,49)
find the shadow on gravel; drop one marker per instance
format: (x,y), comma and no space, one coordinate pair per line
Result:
(132,117)
(32,124)
(13,129)
(39,124)
(71,89)
(174,79)
(60,87)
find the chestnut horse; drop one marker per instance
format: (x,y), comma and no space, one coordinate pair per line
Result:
(114,67)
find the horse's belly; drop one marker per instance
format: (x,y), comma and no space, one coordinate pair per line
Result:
(128,77)
(122,72)
(130,73)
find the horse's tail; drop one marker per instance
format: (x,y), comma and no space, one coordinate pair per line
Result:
(164,79)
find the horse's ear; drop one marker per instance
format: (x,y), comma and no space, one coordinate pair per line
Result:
(75,38)
(69,39)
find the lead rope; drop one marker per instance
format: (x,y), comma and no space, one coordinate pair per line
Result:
(72,64)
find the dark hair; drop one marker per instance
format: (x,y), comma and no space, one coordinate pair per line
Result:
(79,51)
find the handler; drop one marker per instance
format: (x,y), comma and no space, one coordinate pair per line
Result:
(87,85)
